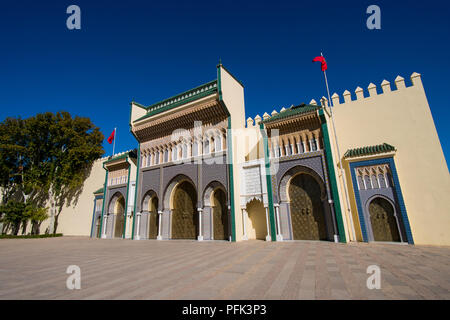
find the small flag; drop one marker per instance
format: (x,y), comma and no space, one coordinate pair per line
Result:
(111,137)
(323,62)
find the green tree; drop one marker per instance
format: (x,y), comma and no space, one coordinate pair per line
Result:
(13,214)
(12,146)
(76,144)
(36,215)
(47,158)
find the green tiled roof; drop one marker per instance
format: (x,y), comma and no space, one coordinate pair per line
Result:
(364,151)
(182,98)
(131,154)
(293,111)
(99,191)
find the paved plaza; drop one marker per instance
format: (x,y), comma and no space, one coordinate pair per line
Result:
(150,269)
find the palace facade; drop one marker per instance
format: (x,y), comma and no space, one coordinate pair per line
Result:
(369,168)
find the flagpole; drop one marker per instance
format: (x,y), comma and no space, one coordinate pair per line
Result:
(114,144)
(339,156)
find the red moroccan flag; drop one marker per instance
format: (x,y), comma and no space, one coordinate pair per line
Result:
(323,62)
(111,137)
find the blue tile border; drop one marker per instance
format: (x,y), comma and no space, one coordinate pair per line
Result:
(397,188)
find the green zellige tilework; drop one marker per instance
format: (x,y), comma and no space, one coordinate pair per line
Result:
(368,150)
(293,111)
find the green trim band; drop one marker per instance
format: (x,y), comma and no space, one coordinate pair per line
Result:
(126,201)
(136,187)
(332,173)
(103,205)
(302,109)
(369,150)
(180,99)
(268,182)
(123,156)
(230,169)
(219,82)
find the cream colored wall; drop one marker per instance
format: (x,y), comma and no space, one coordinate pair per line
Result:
(77,221)
(131,195)
(253,140)
(137,112)
(233,97)
(403,119)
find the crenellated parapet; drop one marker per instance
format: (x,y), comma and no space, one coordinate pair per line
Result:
(361,94)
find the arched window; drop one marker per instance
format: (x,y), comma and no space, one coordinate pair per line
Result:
(375,182)
(157,157)
(206,148)
(368,182)
(361,183)
(166,155)
(195,149)
(382,180)
(174,153)
(218,142)
(313,145)
(184,150)
(389,182)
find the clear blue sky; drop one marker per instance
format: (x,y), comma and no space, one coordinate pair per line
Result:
(150,50)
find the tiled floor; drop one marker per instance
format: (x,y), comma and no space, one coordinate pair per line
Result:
(150,269)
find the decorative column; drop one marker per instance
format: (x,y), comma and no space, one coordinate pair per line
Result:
(105,220)
(169,151)
(277,210)
(200,145)
(244,223)
(336,237)
(292,144)
(189,148)
(298,141)
(224,140)
(286,147)
(159,237)
(268,237)
(138,225)
(200,236)
(303,138)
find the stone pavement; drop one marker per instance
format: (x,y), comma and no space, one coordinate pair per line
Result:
(177,269)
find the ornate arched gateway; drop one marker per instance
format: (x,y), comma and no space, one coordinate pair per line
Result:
(184,212)
(116,209)
(215,212)
(98,223)
(220,215)
(303,194)
(383,221)
(150,206)
(306,207)
(257,222)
